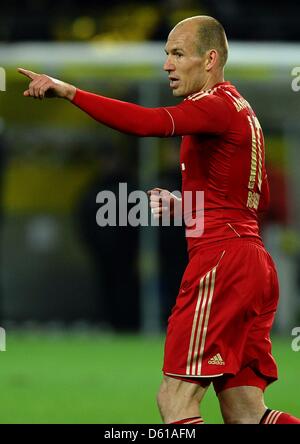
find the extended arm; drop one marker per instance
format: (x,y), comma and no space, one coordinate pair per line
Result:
(208,115)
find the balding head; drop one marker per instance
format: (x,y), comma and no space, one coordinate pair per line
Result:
(196,54)
(209,34)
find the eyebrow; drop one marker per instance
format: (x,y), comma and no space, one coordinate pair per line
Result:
(173,50)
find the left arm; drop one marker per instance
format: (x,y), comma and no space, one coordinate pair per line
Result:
(211,114)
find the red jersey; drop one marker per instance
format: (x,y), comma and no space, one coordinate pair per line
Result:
(228,166)
(222,153)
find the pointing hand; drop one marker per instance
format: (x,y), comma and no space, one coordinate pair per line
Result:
(42,86)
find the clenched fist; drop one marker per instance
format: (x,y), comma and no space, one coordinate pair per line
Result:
(163,202)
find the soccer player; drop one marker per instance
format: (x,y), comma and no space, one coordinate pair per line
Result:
(219,329)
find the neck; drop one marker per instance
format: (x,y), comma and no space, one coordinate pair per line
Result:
(213,80)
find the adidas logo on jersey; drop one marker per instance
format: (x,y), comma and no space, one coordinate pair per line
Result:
(216,360)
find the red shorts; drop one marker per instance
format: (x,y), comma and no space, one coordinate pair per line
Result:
(223,315)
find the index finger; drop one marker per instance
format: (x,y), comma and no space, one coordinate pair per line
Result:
(30,74)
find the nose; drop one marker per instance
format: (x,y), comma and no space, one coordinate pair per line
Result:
(169,65)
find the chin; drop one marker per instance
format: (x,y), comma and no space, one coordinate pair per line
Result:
(177,93)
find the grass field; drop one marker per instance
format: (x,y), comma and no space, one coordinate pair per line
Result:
(92,378)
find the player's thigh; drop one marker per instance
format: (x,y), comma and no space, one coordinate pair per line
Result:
(189,316)
(222,306)
(244,404)
(182,391)
(257,367)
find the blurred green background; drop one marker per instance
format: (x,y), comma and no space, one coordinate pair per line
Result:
(84,307)
(80,377)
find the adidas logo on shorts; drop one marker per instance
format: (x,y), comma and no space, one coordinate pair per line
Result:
(216,360)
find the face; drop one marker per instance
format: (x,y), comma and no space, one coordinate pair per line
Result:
(184,65)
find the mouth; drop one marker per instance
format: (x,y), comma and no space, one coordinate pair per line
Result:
(174,82)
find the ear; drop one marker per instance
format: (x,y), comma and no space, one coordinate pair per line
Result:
(212,57)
